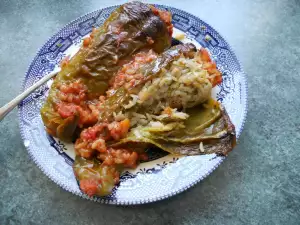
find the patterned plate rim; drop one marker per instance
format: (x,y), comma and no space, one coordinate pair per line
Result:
(154,199)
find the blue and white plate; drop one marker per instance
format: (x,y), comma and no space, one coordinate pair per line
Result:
(163,175)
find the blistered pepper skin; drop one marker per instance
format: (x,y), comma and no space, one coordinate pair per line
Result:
(127,31)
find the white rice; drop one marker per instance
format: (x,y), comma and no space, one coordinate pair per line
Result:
(201,147)
(183,85)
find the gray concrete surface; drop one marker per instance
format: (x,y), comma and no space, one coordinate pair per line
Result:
(259,183)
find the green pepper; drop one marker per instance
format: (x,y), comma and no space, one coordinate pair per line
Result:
(93,177)
(207,130)
(121,97)
(126,32)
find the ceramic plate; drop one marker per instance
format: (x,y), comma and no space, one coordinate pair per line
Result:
(163,175)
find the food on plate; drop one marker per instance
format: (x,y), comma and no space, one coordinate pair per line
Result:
(127,90)
(137,83)
(162,100)
(95,178)
(133,27)
(202,130)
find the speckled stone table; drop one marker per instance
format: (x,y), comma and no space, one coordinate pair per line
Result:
(259,183)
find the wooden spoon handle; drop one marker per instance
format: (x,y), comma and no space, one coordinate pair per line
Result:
(13,103)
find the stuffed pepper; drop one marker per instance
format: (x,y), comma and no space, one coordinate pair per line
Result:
(133,27)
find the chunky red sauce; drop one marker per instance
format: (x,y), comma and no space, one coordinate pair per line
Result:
(129,74)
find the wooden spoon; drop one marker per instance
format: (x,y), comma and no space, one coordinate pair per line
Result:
(13,103)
